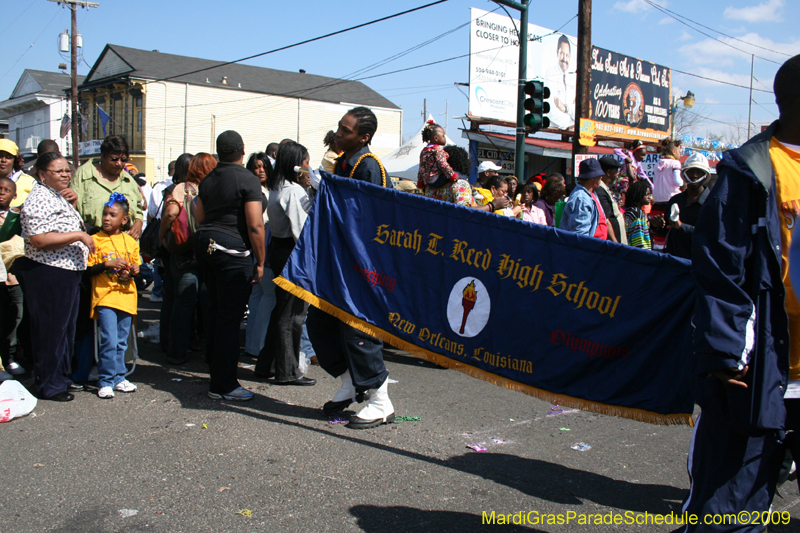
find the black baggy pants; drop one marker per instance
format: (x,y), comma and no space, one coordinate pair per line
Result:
(51,299)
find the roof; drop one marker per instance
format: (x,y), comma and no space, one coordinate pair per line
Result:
(117,62)
(45,83)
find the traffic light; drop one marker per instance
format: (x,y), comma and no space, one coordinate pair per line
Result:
(536,106)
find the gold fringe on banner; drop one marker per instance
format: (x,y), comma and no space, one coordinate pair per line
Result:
(441,360)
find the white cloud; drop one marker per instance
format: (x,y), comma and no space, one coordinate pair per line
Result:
(631,6)
(710,101)
(685,36)
(720,75)
(768,11)
(718,53)
(666,20)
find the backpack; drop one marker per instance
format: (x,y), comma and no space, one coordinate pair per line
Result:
(179,238)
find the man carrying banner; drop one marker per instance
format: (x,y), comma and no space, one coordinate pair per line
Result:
(747,323)
(344,351)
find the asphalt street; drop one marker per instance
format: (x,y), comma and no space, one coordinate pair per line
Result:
(168,458)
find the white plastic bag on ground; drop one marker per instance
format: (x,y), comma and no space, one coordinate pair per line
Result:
(303,363)
(15,400)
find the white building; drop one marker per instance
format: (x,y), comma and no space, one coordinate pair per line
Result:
(166,105)
(35,110)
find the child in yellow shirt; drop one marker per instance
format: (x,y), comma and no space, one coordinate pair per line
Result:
(112,268)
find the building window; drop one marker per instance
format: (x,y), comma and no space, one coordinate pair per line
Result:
(139,121)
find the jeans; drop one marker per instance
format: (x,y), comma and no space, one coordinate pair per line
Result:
(157,281)
(305,343)
(168,295)
(262,302)
(228,280)
(147,274)
(10,317)
(282,343)
(115,326)
(186,285)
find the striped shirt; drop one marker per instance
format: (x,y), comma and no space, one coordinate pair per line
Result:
(637,228)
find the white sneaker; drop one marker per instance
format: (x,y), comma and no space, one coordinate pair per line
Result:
(105,392)
(5,375)
(125,386)
(15,369)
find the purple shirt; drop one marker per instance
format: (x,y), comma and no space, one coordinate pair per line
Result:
(549,211)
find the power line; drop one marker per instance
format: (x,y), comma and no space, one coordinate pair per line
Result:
(719,81)
(676,15)
(303,42)
(31,46)
(765,109)
(669,13)
(760,83)
(18,16)
(349,77)
(708,118)
(405,52)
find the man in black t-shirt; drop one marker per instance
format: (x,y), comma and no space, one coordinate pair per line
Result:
(342,350)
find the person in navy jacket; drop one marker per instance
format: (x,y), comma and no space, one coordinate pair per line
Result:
(743,316)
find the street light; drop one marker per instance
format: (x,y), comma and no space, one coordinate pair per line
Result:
(688,103)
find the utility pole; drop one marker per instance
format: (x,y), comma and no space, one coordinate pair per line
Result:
(73,7)
(582,81)
(750,102)
(424,110)
(519,163)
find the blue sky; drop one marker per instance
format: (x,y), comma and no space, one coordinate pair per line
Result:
(228,31)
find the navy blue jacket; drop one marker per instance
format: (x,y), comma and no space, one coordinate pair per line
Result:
(740,317)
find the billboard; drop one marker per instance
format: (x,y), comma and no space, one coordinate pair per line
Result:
(630,98)
(494,68)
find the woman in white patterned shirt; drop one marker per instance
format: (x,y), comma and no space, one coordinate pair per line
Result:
(56,248)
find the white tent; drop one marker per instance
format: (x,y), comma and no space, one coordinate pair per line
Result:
(404,162)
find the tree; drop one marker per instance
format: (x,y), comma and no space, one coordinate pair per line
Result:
(686,120)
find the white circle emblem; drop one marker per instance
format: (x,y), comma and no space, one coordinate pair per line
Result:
(468,307)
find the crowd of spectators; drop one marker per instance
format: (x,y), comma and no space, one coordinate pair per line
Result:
(63,232)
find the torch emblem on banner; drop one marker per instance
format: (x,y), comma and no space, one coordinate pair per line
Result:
(468,307)
(468,299)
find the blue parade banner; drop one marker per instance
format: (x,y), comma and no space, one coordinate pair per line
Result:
(566,318)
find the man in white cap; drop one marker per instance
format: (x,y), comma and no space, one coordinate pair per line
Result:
(696,174)
(486,170)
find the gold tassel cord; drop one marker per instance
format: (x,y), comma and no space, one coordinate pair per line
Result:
(560,399)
